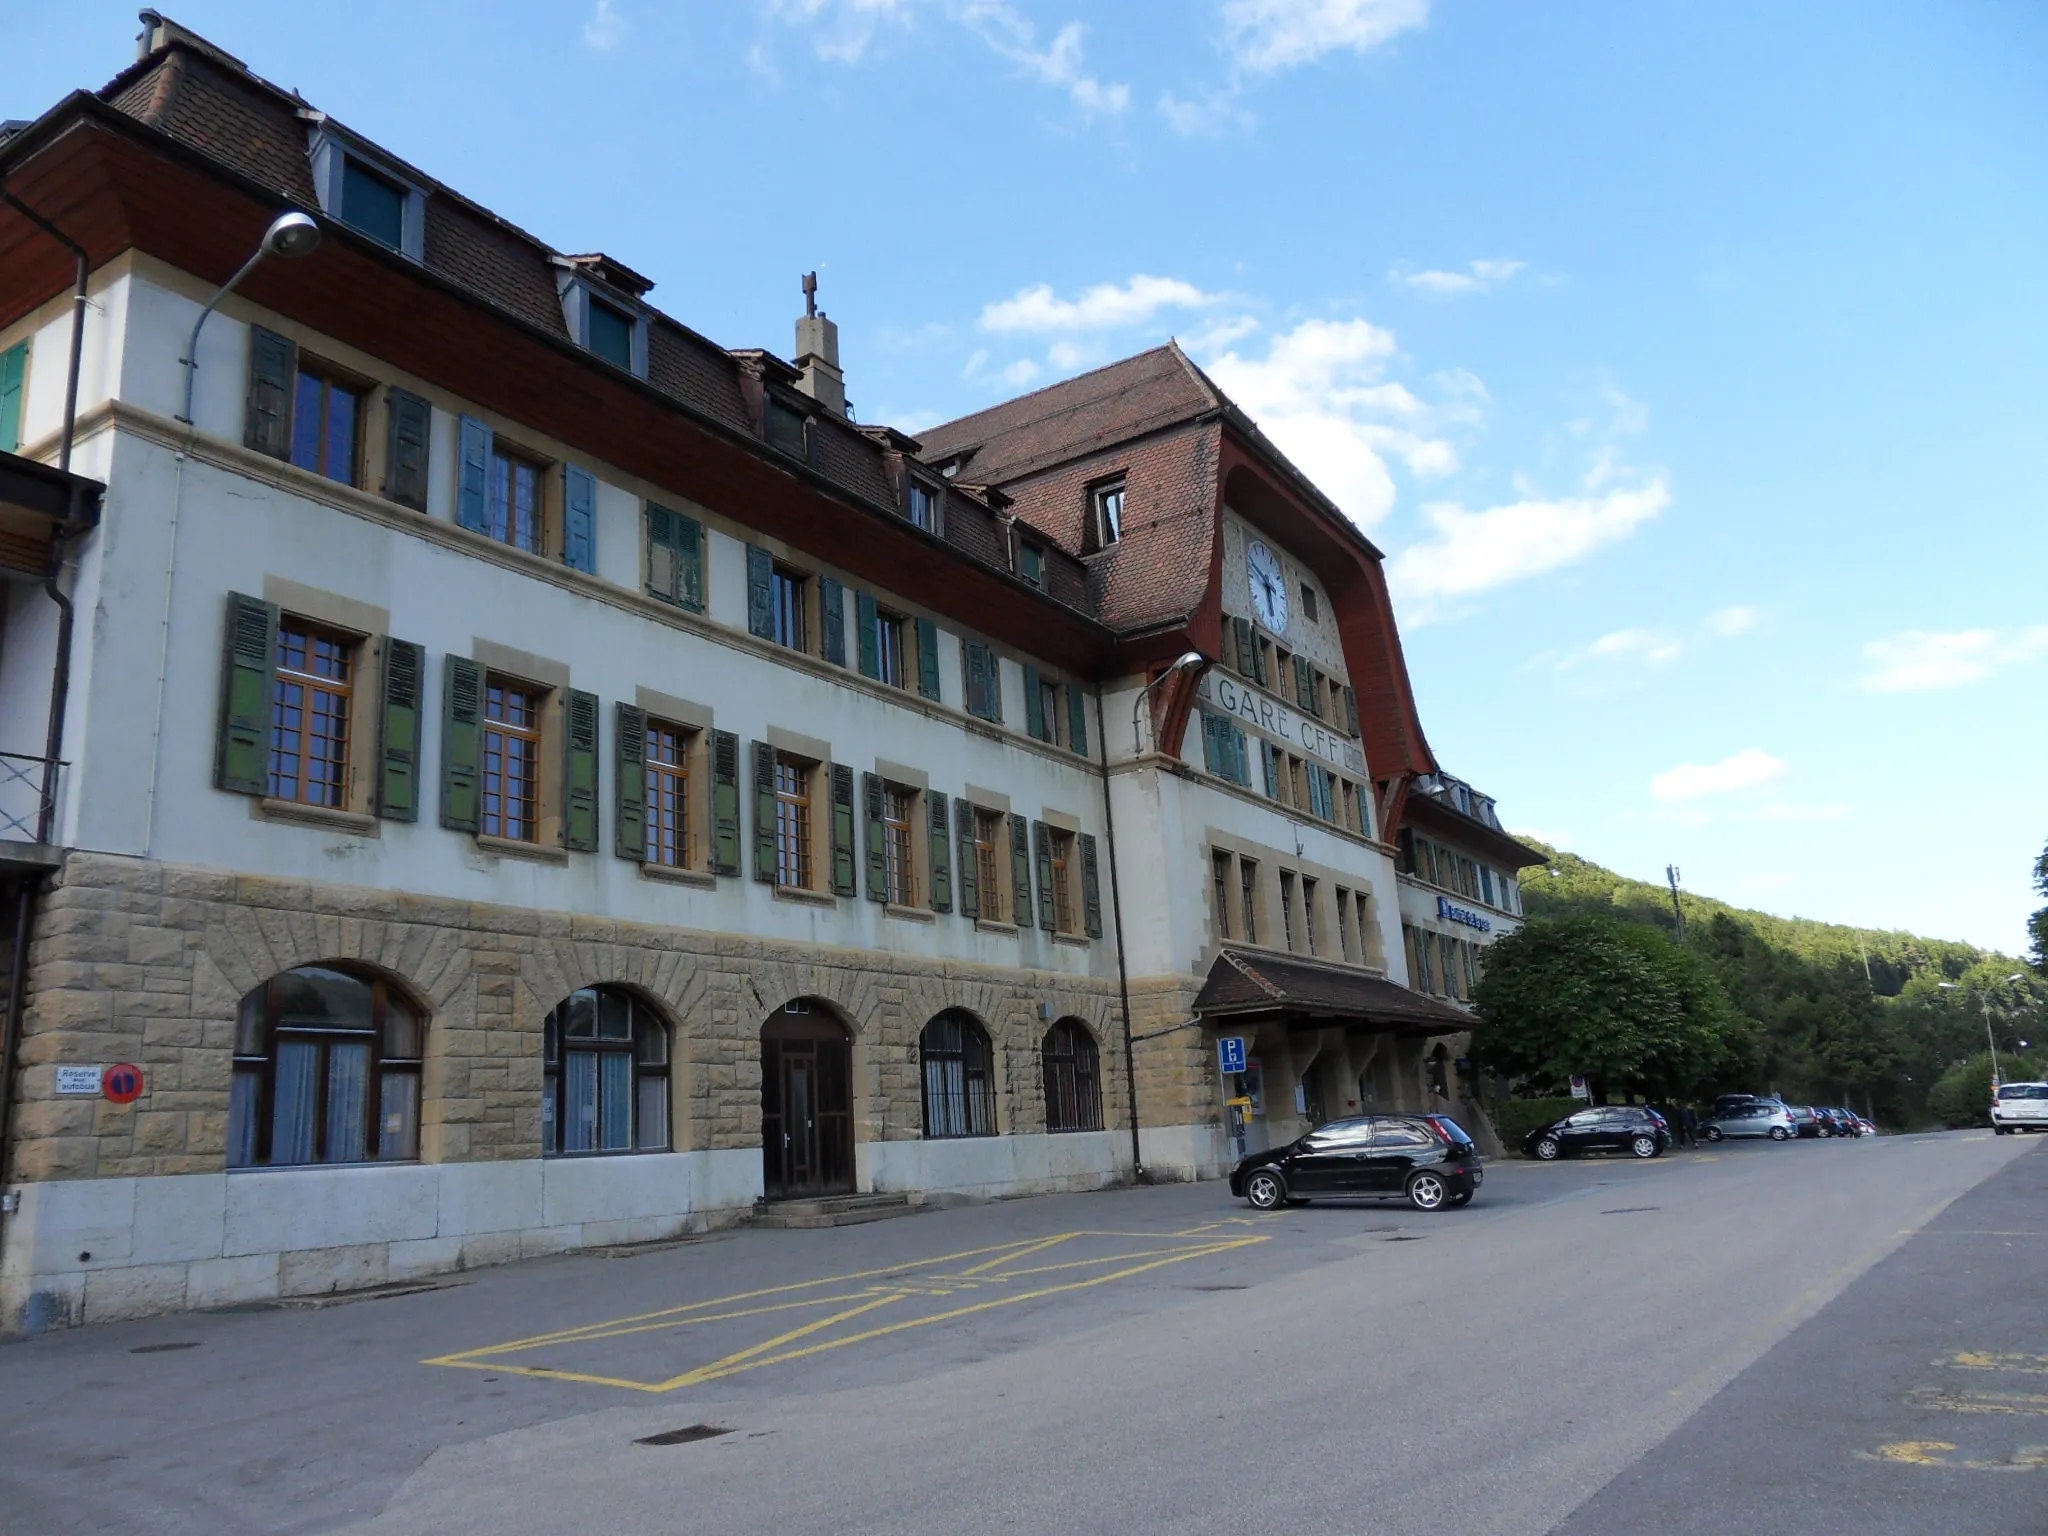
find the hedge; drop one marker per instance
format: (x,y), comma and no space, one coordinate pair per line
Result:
(1516,1118)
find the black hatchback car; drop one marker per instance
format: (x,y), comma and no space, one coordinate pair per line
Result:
(1629,1128)
(1427,1160)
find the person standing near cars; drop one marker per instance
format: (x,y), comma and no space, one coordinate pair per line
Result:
(1689,1128)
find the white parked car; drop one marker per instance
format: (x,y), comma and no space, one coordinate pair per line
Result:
(2019,1107)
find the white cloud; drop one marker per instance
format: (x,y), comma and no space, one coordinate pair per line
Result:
(1646,646)
(1727,623)
(1019,373)
(1106,306)
(1067,356)
(606,28)
(842,30)
(1059,64)
(1209,114)
(1320,393)
(1745,770)
(1470,552)
(1920,659)
(1478,277)
(1268,35)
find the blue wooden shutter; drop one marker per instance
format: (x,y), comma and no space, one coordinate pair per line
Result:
(1219,754)
(760,593)
(1240,759)
(865,621)
(832,619)
(13,379)
(928,659)
(398,732)
(579,519)
(473,491)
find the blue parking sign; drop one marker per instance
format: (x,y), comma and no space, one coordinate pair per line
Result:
(1230,1054)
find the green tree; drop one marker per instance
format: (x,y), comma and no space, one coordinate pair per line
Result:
(1963,1094)
(2037,925)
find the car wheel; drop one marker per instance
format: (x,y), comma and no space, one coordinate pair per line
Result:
(1547,1149)
(1644,1146)
(1427,1192)
(1713,1133)
(1264,1189)
(1779,1133)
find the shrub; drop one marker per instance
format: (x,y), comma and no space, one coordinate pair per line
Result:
(1963,1096)
(1516,1118)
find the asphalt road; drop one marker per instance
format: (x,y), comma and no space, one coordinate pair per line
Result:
(1756,1338)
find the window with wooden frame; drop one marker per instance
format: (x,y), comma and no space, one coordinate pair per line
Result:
(958,1069)
(326,1070)
(513,504)
(1344,923)
(1106,512)
(990,879)
(1248,896)
(888,644)
(1073,1080)
(608,332)
(327,423)
(789,429)
(511,761)
(675,558)
(922,506)
(1287,908)
(899,845)
(312,701)
(1031,562)
(605,1075)
(1063,907)
(668,794)
(1308,912)
(1219,876)
(373,204)
(793,863)
(789,618)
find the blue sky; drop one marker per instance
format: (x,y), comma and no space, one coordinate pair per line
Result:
(1688,361)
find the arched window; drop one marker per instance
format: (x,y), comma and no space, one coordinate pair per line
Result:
(605,1087)
(1073,1086)
(327,1070)
(959,1083)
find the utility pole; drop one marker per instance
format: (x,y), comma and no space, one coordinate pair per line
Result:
(1671,874)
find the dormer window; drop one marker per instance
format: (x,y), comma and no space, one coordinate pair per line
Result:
(923,506)
(1031,563)
(604,324)
(1106,513)
(608,331)
(368,193)
(788,428)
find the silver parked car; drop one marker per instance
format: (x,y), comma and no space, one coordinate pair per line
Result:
(1759,1117)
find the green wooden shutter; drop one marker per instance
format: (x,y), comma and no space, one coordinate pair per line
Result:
(764,812)
(1020,872)
(579,519)
(689,563)
(241,756)
(398,732)
(970,859)
(866,620)
(973,677)
(1247,648)
(1218,755)
(942,853)
(725,803)
(1091,888)
(473,489)
(410,420)
(1351,711)
(832,600)
(579,772)
(928,658)
(13,385)
(461,742)
(1269,758)
(1034,705)
(1302,683)
(1258,673)
(844,880)
(663,579)
(629,782)
(273,359)
(1041,837)
(878,867)
(1240,758)
(760,593)
(1077,718)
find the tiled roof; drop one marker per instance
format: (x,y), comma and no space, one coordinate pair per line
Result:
(1244,982)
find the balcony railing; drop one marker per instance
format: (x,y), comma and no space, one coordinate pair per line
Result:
(28,796)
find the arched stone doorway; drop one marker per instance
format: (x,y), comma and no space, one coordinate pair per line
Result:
(806,1102)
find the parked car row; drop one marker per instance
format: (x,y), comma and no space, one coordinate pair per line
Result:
(1737,1115)
(1426,1160)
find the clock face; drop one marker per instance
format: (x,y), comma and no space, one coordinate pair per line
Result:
(1269,587)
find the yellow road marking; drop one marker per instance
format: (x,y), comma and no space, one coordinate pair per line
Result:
(1984,1360)
(1979,1402)
(1916,1453)
(921,1278)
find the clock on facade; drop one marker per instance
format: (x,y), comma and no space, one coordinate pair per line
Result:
(1269,587)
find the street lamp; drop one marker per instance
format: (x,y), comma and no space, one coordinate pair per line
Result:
(291,235)
(1951,986)
(1187,661)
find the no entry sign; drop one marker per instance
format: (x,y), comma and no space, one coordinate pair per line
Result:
(122,1084)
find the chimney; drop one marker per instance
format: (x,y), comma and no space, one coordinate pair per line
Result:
(160,32)
(817,353)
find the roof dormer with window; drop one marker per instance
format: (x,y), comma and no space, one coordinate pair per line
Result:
(367,190)
(601,305)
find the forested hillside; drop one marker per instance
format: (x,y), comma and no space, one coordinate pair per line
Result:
(1843,1015)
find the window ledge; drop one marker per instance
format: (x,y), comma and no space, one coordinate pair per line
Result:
(668,874)
(910,914)
(807,898)
(318,816)
(990,925)
(1078,940)
(515,848)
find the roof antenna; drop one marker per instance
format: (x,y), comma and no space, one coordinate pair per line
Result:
(811,294)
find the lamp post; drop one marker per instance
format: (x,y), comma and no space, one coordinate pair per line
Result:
(1187,661)
(291,235)
(1951,986)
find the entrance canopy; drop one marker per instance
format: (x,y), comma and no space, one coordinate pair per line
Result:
(1252,986)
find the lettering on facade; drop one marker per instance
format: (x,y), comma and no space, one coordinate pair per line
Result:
(1276,720)
(1452,912)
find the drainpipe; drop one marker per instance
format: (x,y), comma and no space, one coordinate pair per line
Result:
(1116,908)
(60,687)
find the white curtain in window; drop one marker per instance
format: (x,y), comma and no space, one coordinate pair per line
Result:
(616,1100)
(348,1095)
(297,1107)
(579,1101)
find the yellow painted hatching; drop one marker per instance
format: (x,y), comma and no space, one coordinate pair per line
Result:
(994,1277)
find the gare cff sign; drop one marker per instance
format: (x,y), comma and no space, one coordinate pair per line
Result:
(1280,722)
(1451,912)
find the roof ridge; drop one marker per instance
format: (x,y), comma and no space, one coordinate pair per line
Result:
(1016,400)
